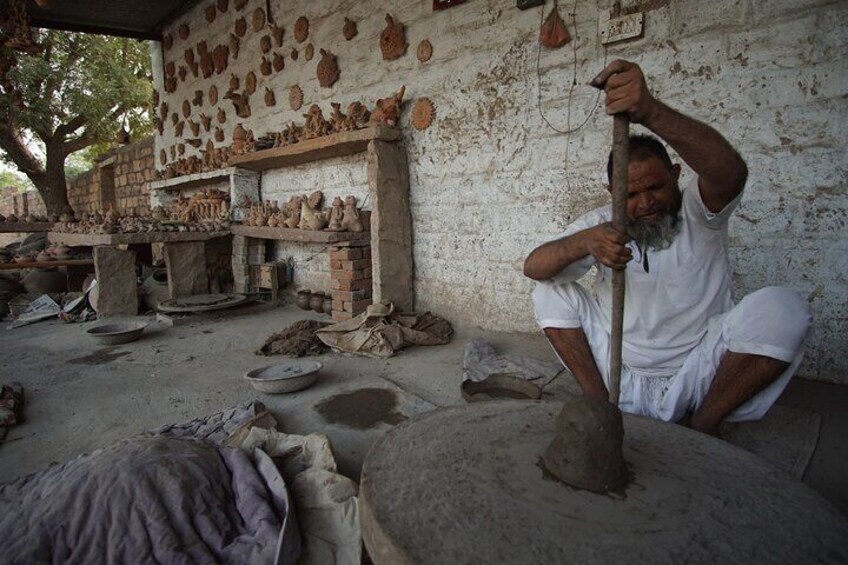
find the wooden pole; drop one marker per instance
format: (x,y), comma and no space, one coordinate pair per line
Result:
(620,160)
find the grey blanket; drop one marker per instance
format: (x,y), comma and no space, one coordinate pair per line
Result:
(151,500)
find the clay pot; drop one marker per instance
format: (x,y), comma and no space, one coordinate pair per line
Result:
(303,299)
(155,289)
(316,302)
(328,305)
(45,281)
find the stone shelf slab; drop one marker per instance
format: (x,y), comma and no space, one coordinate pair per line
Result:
(24,227)
(44,264)
(193,180)
(307,236)
(93,239)
(327,147)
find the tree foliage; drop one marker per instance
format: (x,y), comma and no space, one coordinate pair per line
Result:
(76,92)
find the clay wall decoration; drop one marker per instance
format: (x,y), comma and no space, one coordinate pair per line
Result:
(178,129)
(163,157)
(387,110)
(422,114)
(219,135)
(554,33)
(206,121)
(186,109)
(221,56)
(194,142)
(198,98)
(301,29)
(182,72)
(239,4)
(265,43)
(183,31)
(258,19)
(309,52)
(293,54)
(195,128)
(168,41)
(250,83)
(170,84)
(393,39)
(223,5)
(235,44)
(328,70)
(241,102)
(240,27)
(278,63)
(163,110)
(234,82)
(424,51)
(207,65)
(188,55)
(349,30)
(295,97)
(155,97)
(213,95)
(270,100)
(159,125)
(210,14)
(265,67)
(222,116)
(175,118)
(277,32)
(170,68)
(181,149)
(173,150)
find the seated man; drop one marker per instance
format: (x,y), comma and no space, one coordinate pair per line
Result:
(688,352)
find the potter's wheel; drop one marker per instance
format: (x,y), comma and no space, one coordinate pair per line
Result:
(461,485)
(201,303)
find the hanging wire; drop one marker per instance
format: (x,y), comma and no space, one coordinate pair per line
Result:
(568,129)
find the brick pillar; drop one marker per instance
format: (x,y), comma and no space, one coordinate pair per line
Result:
(241,269)
(350,280)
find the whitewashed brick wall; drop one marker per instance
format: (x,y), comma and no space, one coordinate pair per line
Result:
(489,180)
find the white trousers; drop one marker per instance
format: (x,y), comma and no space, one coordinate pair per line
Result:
(771,322)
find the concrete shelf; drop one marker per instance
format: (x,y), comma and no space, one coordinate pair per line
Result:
(92,239)
(307,236)
(25,227)
(327,147)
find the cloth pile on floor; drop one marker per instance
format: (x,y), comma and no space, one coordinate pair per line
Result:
(297,340)
(241,494)
(380,331)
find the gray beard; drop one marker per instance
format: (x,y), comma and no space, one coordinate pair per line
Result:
(657,235)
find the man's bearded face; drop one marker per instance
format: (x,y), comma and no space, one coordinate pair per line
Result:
(653,203)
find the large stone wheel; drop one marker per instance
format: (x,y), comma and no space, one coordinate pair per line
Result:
(462,485)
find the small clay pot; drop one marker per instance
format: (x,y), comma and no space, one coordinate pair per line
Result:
(328,305)
(303,299)
(316,302)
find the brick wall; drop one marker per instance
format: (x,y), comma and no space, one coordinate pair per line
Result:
(14,203)
(131,167)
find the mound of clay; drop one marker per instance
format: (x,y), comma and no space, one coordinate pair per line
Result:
(586,450)
(297,340)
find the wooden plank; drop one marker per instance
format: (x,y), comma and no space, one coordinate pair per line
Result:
(327,147)
(44,264)
(25,227)
(308,236)
(92,239)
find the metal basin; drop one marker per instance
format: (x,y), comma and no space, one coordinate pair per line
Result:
(279,378)
(114,334)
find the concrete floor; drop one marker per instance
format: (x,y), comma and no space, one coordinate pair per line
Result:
(81,396)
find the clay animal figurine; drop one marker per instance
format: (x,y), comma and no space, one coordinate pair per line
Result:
(294,207)
(358,114)
(393,39)
(241,103)
(351,220)
(339,121)
(328,69)
(315,125)
(309,219)
(387,110)
(336,214)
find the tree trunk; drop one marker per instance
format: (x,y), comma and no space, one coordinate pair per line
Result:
(53,187)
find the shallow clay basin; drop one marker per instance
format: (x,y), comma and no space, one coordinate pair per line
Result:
(114,334)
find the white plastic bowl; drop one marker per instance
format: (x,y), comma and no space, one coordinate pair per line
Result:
(289,376)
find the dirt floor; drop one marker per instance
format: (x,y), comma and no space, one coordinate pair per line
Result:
(81,396)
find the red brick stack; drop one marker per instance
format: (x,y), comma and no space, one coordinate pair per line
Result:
(350,280)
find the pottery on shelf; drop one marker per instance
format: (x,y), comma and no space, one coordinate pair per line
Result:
(328,305)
